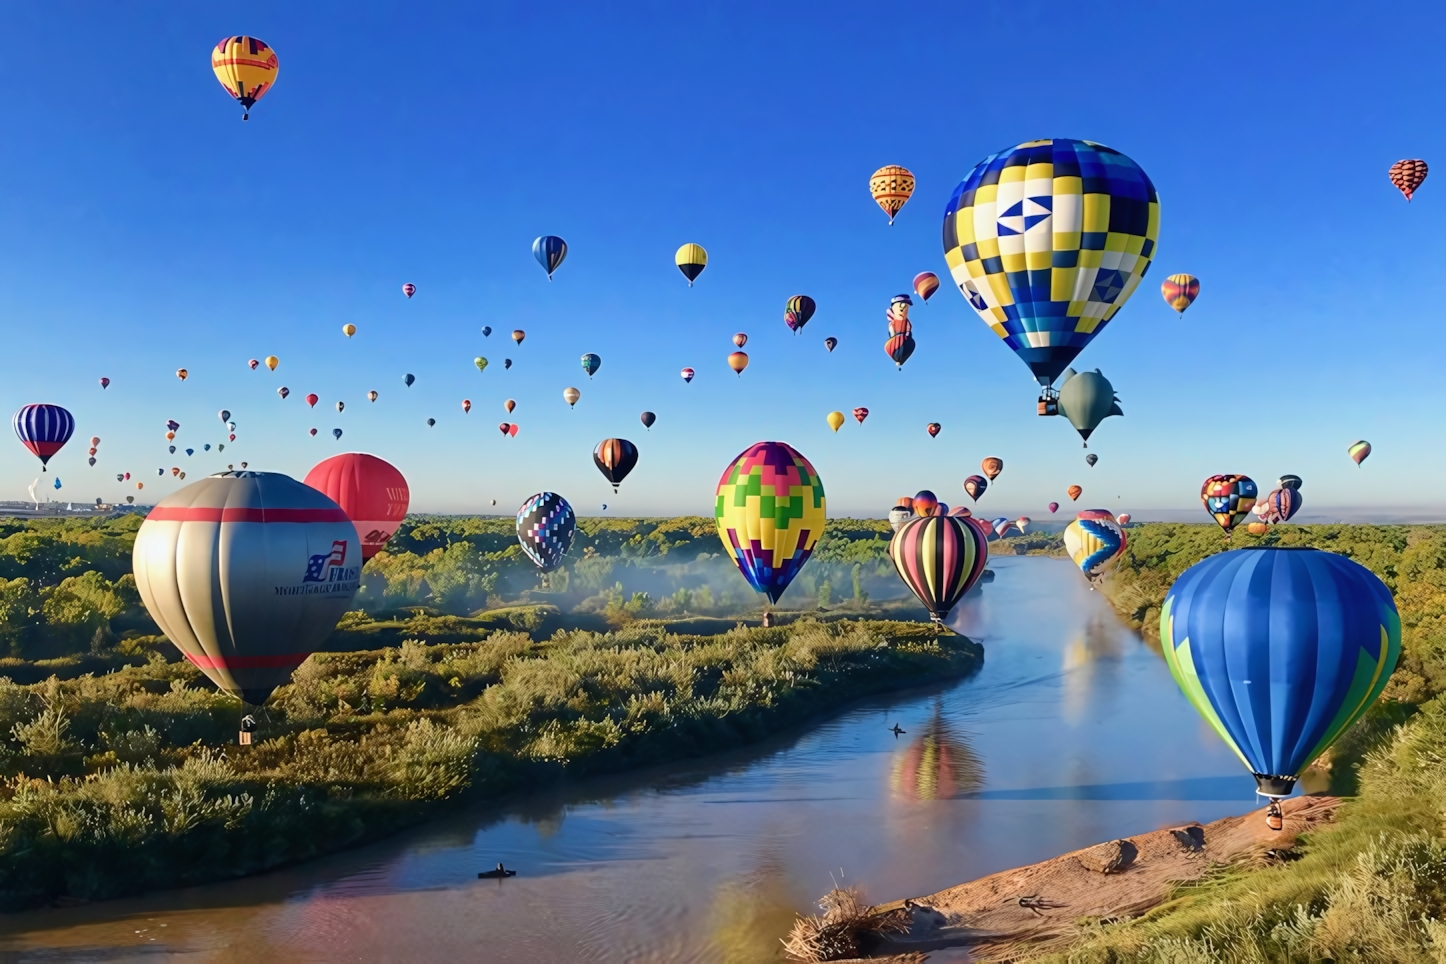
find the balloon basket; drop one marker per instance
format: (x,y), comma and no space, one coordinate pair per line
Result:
(243,738)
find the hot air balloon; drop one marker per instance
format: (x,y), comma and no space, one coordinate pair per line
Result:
(518,334)
(898,515)
(891,187)
(130,500)
(687,375)
(940,558)
(933,429)
(486,331)
(549,250)
(1180,291)
(94,441)
(408,379)
(348,330)
(190,451)
(1123,518)
(409,289)
(1074,492)
(591,363)
(1053,507)
(336,434)
(57,482)
(341,406)
(1228,498)
(835,420)
(991,467)
(170,436)
(1022,523)
(246,67)
(371,491)
(1257,528)
(740,339)
(924,503)
(43,429)
(1289,482)
(1001,526)
(283,391)
(571,395)
(480,362)
(431,422)
(1281,651)
(224,415)
(897,315)
(691,259)
(91,461)
(1094,541)
(545,528)
(512,430)
(975,486)
(312,399)
(830,343)
(1087,399)
(509,405)
(182,374)
(506,363)
(272,361)
(247,573)
(311,432)
(770,514)
(372,396)
(738,361)
(1283,503)
(252,364)
(503,427)
(172,424)
(105,382)
(1091,459)
(1093,256)
(899,348)
(207,447)
(861,414)
(615,458)
(1359,450)
(466,405)
(1407,175)
(925,284)
(797,311)
(172,449)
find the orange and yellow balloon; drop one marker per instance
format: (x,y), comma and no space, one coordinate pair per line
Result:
(1180,291)
(891,186)
(246,67)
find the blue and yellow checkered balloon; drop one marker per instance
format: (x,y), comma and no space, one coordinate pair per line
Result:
(1047,240)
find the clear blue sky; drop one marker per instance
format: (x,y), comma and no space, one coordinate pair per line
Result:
(144,227)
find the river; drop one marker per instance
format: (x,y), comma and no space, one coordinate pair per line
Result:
(1072,733)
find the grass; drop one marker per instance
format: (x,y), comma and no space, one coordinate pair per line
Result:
(127,781)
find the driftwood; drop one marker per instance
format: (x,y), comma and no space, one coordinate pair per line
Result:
(1041,906)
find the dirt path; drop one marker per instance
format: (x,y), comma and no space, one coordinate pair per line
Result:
(1039,905)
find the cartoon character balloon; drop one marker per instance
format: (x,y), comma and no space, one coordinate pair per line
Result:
(770,513)
(1089,211)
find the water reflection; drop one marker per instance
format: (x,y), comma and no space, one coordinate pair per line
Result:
(938,764)
(1091,665)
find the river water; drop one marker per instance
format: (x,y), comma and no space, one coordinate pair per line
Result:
(1071,733)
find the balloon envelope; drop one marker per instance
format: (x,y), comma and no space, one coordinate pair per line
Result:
(1180,291)
(272,361)
(1280,650)
(991,467)
(691,259)
(835,420)
(43,429)
(545,528)
(975,486)
(246,67)
(1408,175)
(925,284)
(940,558)
(571,395)
(591,363)
(798,311)
(615,458)
(738,361)
(1359,451)
(687,374)
(1074,492)
(647,418)
(770,512)
(1092,216)
(1094,542)
(1087,399)
(891,186)
(247,573)
(1228,498)
(549,250)
(898,515)
(830,343)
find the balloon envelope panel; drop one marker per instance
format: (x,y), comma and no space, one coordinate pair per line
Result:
(770,512)
(247,573)
(1280,650)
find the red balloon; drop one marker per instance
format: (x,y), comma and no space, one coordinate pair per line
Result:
(372,493)
(312,399)
(934,429)
(861,414)
(503,427)
(512,430)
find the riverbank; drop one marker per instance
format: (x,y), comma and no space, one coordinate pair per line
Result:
(126,782)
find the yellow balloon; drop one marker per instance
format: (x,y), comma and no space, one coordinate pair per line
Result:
(835,420)
(272,361)
(691,259)
(246,67)
(571,395)
(348,330)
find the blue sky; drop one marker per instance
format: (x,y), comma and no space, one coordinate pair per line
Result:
(145,228)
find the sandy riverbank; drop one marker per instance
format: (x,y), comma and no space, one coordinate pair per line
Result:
(1041,907)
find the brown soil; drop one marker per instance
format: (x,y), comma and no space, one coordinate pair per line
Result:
(1037,908)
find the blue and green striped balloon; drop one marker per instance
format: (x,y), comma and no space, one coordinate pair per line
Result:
(1280,650)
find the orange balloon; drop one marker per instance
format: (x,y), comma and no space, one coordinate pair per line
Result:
(182,374)
(738,361)
(1074,492)
(509,405)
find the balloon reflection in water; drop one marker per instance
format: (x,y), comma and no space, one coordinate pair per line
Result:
(1098,650)
(938,764)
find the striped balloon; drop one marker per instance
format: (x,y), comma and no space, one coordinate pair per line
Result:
(615,458)
(1283,503)
(1180,291)
(43,429)
(1094,541)
(940,558)
(549,250)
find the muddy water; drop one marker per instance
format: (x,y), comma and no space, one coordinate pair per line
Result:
(1071,733)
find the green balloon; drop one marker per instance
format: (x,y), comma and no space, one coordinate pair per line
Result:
(480,362)
(1086,400)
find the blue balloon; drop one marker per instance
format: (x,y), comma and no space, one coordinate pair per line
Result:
(545,527)
(591,363)
(549,250)
(57,481)
(1280,650)
(43,429)
(409,379)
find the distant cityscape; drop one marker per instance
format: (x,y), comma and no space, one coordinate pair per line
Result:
(57,510)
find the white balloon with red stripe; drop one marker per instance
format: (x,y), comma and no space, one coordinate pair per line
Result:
(247,573)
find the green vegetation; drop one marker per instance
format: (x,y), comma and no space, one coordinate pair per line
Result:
(1371,888)
(117,769)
